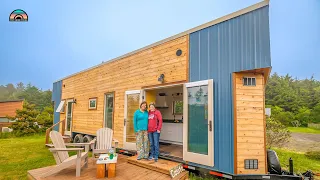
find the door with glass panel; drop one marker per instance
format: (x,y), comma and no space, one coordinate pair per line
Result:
(68,125)
(132,103)
(198,122)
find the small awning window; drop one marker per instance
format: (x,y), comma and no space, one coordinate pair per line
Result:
(60,107)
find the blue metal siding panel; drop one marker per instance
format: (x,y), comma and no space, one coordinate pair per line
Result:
(56,98)
(241,43)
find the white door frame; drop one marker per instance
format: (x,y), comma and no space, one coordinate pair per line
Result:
(129,145)
(207,160)
(65,130)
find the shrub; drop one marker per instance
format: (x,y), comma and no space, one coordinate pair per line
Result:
(277,133)
(313,155)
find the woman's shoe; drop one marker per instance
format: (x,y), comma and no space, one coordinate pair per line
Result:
(150,158)
(155,160)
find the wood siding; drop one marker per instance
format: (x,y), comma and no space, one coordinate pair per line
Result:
(129,73)
(249,123)
(9,108)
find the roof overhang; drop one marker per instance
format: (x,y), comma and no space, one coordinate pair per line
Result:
(265,71)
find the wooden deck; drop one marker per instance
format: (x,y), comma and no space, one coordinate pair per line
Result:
(124,171)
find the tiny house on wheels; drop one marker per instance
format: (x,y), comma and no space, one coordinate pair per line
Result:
(208,82)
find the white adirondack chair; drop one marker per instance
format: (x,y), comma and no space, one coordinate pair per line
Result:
(102,143)
(60,153)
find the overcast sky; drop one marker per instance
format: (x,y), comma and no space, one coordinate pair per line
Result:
(64,37)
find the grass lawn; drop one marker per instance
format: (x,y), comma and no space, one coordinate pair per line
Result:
(18,155)
(304,130)
(301,163)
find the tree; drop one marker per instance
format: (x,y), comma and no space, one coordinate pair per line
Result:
(304,116)
(316,114)
(277,133)
(45,118)
(25,120)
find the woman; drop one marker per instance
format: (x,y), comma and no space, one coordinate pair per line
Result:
(154,129)
(140,124)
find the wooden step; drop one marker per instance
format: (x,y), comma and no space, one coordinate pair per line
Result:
(171,168)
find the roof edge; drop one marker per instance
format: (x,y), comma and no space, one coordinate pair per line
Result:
(18,100)
(200,27)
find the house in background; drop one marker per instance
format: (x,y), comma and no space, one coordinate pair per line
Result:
(8,108)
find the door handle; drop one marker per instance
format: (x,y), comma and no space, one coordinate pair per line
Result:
(210,125)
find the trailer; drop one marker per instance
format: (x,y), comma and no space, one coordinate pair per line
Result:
(208,82)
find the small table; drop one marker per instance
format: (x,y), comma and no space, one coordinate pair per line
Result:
(103,160)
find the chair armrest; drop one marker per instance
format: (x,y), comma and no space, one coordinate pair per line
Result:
(93,142)
(65,149)
(86,145)
(116,142)
(77,144)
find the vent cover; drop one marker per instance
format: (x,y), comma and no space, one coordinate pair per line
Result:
(251,163)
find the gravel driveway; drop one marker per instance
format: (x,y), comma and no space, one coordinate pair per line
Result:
(304,142)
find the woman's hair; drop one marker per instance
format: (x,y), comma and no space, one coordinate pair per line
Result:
(144,102)
(152,104)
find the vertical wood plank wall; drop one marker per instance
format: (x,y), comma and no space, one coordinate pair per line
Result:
(250,125)
(129,73)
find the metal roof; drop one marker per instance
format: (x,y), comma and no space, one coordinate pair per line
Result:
(208,24)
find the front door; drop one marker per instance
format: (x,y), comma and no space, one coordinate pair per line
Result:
(69,117)
(198,122)
(132,103)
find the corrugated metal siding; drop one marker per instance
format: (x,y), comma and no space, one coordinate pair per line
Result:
(56,97)
(241,43)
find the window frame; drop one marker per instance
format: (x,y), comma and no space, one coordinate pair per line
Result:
(96,103)
(247,78)
(105,124)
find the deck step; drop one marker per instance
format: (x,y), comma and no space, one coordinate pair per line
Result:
(171,168)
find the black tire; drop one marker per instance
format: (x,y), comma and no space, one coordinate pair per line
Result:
(87,138)
(78,138)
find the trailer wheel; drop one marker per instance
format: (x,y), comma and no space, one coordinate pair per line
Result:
(78,138)
(87,139)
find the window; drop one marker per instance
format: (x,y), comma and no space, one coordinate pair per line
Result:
(93,103)
(249,81)
(177,107)
(251,163)
(108,111)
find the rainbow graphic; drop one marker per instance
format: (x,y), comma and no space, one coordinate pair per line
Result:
(18,15)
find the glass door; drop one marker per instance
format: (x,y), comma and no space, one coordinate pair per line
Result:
(69,117)
(198,122)
(132,103)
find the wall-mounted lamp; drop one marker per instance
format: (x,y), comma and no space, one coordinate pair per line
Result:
(74,101)
(161,78)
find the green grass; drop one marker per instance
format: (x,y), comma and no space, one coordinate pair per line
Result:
(18,155)
(304,130)
(301,163)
